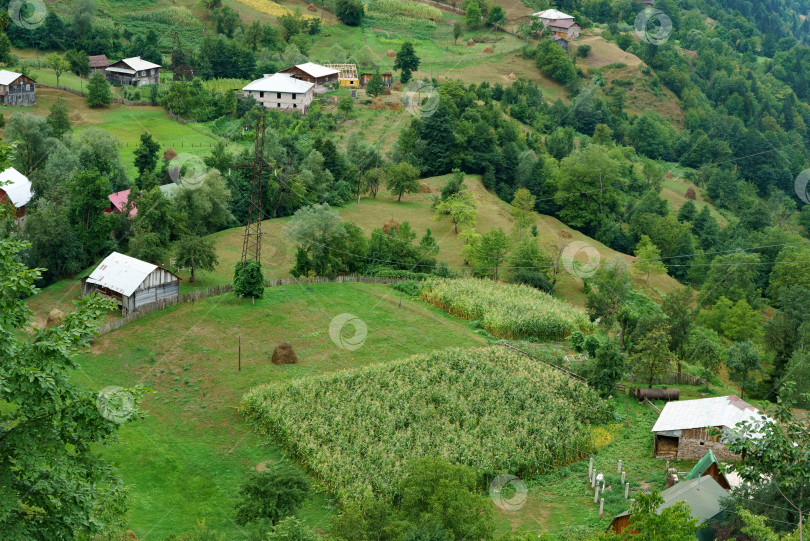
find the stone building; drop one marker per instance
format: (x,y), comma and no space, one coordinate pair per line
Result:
(687,430)
(282,92)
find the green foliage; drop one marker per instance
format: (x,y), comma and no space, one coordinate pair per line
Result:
(59,118)
(292,529)
(402,178)
(652,356)
(376,85)
(472,15)
(271,495)
(351,12)
(704,348)
(146,154)
(248,280)
(506,310)
(359,429)
(554,62)
(460,207)
(648,258)
(406,61)
(743,362)
(53,484)
(608,368)
(414,10)
(675,523)
(98,91)
(196,252)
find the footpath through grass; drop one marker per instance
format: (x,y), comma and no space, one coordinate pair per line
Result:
(185,461)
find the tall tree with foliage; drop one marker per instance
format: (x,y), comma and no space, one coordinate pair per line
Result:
(653,358)
(472,15)
(146,154)
(351,12)
(460,207)
(523,210)
(88,199)
(492,251)
(406,61)
(98,91)
(648,258)
(58,64)
(248,279)
(31,134)
(677,307)
(608,368)
(53,484)
(402,178)
(458,30)
(196,252)
(376,85)
(743,363)
(675,523)
(59,118)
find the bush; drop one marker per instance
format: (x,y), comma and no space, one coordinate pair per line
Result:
(583,51)
(577,341)
(271,495)
(409,287)
(591,344)
(350,12)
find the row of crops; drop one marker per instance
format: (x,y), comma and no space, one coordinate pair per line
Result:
(489,408)
(405,8)
(506,310)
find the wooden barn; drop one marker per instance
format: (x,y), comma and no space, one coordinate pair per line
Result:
(683,430)
(17,89)
(15,188)
(98,63)
(131,282)
(133,71)
(387,77)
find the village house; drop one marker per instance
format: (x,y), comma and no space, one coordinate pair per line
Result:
(320,76)
(565,28)
(347,74)
(98,63)
(703,495)
(562,42)
(551,15)
(683,431)
(387,77)
(118,202)
(282,92)
(15,188)
(132,283)
(133,71)
(17,89)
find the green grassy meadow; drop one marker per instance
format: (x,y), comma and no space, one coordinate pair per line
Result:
(185,460)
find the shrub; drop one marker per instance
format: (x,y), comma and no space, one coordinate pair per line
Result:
(248,280)
(271,495)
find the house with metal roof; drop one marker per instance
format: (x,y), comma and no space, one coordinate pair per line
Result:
(15,188)
(133,71)
(688,429)
(703,495)
(282,92)
(549,15)
(565,28)
(118,202)
(320,76)
(709,466)
(131,282)
(17,89)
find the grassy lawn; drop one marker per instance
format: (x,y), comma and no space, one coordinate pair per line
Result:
(184,462)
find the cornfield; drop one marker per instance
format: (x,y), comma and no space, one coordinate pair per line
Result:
(271,8)
(489,408)
(411,9)
(506,310)
(173,16)
(224,85)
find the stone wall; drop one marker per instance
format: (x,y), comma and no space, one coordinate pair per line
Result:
(689,449)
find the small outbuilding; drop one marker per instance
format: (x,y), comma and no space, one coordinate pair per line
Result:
(703,495)
(683,430)
(15,188)
(387,77)
(347,74)
(565,28)
(118,202)
(98,63)
(709,466)
(131,282)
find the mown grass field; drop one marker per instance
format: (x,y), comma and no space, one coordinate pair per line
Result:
(184,462)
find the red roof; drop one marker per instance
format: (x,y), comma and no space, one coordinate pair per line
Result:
(564,23)
(98,61)
(119,201)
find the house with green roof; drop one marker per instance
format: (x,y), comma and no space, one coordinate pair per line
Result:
(709,466)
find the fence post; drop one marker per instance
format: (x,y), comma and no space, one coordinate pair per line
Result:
(596,494)
(620,467)
(626,490)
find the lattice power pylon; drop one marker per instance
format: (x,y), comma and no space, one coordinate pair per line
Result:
(252,243)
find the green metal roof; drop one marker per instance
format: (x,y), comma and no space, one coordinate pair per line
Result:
(702,494)
(703,465)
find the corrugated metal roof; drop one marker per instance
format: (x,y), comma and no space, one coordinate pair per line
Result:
(138,64)
(17,187)
(316,70)
(703,495)
(119,200)
(8,77)
(121,70)
(552,14)
(705,412)
(279,82)
(562,23)
(121,273)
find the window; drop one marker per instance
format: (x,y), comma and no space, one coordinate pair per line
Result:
(278,105)
(261,94)
(295,105)
(294,95)
(278,95)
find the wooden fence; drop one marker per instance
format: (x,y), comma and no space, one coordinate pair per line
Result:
(199,294)
(554,366)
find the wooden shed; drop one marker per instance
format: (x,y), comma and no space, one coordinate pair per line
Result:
(131,282)
(387,77)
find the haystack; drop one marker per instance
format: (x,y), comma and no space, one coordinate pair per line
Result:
(75,116)
(424,188)
(470,42)
(690,193)
(391,53)
(312,7)
(284,354)
(488,50)
(512,77)
(669,175)
(398,86)
(386,91)
(396,106)
(389,225)
(564,234)
(170,154)
(54,317)
(377,104)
